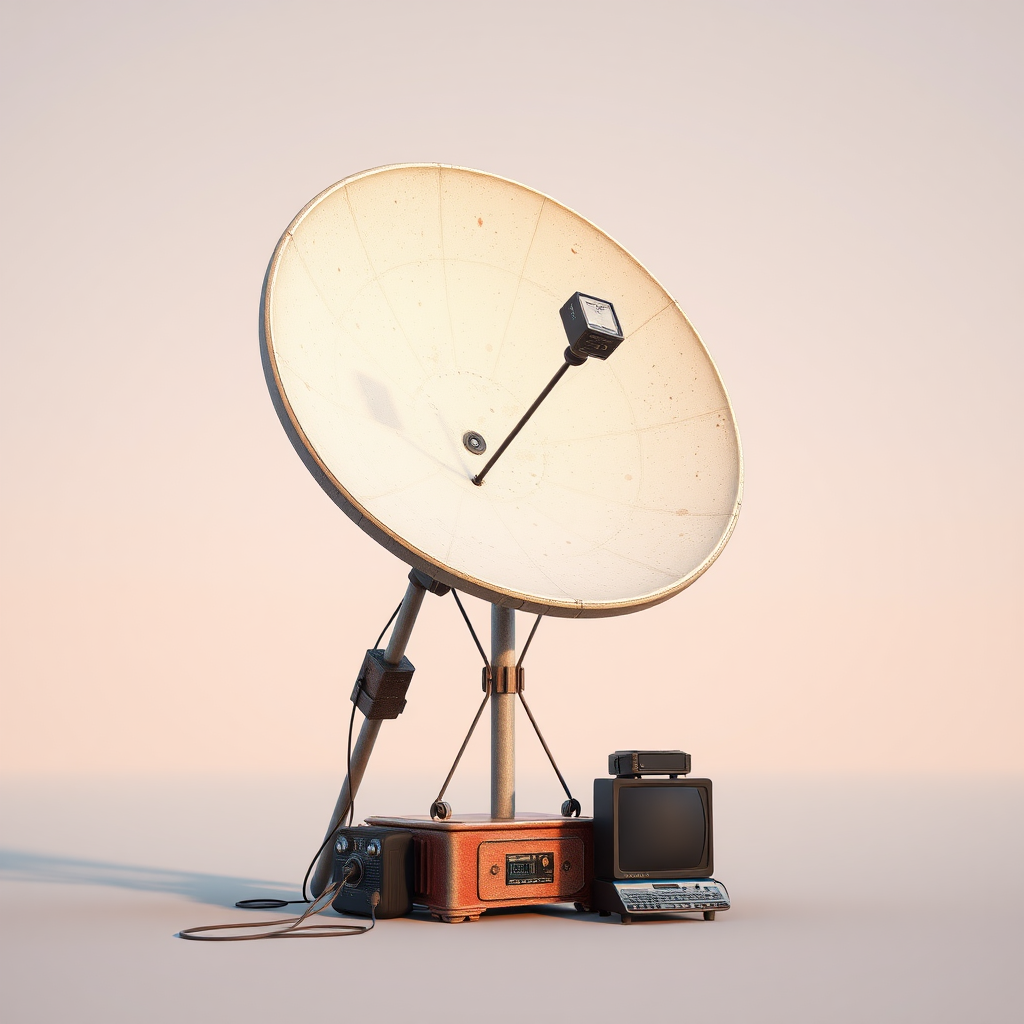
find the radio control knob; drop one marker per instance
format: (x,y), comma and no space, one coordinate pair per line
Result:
(341,846)
(373,848)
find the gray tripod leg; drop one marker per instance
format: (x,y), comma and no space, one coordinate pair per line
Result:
(418,586)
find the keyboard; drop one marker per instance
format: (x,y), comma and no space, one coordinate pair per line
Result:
(658,897)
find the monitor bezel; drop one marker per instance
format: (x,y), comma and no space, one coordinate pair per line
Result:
(606,828)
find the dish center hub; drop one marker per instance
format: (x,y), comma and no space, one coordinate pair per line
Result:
(474,442)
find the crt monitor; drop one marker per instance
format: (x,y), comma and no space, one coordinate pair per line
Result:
(652,828)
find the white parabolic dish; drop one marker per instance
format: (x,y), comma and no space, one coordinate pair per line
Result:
(409,304)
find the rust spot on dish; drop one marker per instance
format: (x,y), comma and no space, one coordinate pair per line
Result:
(480,222)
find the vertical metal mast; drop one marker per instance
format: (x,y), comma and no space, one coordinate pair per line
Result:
(503,713)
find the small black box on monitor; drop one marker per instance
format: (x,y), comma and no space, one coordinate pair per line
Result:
(653,828)
(649,762)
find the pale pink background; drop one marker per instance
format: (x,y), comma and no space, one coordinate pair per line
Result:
(832,195)
(831,191)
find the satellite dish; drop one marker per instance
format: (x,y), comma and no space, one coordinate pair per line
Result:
(410,315)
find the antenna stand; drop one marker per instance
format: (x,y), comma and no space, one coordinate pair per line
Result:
(467,864)
(419,584)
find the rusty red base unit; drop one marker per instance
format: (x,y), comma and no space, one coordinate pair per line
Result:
(470,863)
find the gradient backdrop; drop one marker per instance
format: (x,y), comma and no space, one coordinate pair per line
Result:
(831,191)
(833,195)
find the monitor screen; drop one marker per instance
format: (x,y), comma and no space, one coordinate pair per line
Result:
(660,828)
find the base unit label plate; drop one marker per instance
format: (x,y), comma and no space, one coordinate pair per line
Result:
(521,868)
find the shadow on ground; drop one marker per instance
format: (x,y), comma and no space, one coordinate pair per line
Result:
(223,890)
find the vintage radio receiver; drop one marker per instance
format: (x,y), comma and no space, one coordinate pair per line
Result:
(374,860)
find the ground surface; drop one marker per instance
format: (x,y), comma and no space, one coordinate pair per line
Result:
(820,929)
